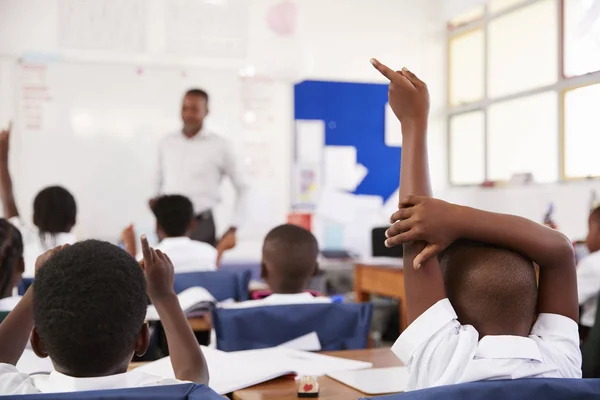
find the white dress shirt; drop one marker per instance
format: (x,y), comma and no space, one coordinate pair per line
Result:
(438,350)
(280,299)
(14,382)
(194,167)
(188,255)
(34,244)
(588,287)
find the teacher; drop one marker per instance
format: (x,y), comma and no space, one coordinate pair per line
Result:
(192,162)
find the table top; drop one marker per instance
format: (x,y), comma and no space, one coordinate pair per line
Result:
(285,388)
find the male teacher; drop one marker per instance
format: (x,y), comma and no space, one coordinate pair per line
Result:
(192,162)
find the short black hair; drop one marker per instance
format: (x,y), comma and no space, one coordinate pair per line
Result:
(11,250)
(89,307)
(291,252)
(492,288)
(197,92)
(174,214)
(54,210)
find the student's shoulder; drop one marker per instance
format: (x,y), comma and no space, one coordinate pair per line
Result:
(12,381)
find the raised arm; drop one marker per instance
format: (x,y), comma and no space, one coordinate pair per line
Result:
(6,191)
(186,356)
(409,99)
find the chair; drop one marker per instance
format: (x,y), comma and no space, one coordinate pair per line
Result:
(222,285)
(518,389)
(339,326)
(173,392)
(24,285)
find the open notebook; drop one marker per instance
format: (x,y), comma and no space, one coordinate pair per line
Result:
(194,299)
(241,369)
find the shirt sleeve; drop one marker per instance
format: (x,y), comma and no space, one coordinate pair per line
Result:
(233,170)
(14,382)
(588,280)
(559,339)
(435,347)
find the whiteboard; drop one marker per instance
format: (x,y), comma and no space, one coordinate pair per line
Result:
(94,129)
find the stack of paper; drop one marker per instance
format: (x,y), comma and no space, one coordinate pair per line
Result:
(191,300)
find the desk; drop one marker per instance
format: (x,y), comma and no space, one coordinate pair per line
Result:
(202,323)
(285,388)
(381,280)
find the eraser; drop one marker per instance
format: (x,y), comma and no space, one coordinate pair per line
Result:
(308,386)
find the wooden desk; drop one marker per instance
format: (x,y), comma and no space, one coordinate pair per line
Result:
(285,388)
(381,280)
(201,324)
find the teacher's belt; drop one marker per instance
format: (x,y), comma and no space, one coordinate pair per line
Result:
(204,215)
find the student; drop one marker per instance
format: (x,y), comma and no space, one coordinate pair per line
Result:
(475,317)
(92,330)
(174,223)
(11,265)
(588,275)
(289,261)
(54,213)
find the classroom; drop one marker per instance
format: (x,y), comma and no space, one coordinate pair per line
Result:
(281,199)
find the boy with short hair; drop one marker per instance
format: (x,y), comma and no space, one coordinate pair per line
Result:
(174,223)
(475,318)
(588,274)
(87,309)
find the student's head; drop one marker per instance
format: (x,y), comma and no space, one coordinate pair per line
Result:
(174,216)
(11,258)
(89,308)
(289,259)
(593,237)
(491,288)
(54,210)
(194,109)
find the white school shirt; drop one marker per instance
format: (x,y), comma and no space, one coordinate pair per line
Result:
(194,167)
(588,287)
(14,382)
(188,255)
(280,299)
(438,350)
(34,244)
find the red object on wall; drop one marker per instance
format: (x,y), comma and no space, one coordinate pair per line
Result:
(301,219)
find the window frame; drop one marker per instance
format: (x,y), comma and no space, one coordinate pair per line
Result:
(561,86)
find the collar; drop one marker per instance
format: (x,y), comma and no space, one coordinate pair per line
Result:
(284,298)
(507,346)
(56,382)
(175,240)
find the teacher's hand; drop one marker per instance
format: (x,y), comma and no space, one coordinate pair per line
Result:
(227,242)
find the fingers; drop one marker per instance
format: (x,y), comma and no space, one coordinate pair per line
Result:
(385,70)
(400,239)
(430,251)
(412,78)
(146,250)
(398,227)
(411,200)
(403,213)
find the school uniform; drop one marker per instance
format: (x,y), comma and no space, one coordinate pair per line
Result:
(36,243)
(276,299)
(438,350)
(588,287)
(188,255)
(14,382)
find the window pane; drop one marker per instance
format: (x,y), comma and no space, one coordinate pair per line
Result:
(466,17)
(523,49)
(582,132)
(582,36)
(466,67)
(523,138)
(467,160)
(496,6)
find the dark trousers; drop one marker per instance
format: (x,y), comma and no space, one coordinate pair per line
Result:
(205,230)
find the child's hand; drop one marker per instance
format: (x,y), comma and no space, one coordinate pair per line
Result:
(4,143)
(159,272)
(424,219)
(41,260)
(408,95)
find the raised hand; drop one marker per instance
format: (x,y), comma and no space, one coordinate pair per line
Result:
(159,272)
(408,95)
(422,218)
(4,142)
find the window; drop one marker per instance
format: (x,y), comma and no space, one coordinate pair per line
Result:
(467,148)
(520,99)
(582,132)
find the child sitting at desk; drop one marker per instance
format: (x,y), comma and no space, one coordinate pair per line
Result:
(11,265)
(289,261)
(174,223)
(588,275)
(87,309)
(475,317)
(54,213)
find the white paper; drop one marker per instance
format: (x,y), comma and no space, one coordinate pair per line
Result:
(188,299)
(374,381)
(308,342)
(29,363)
(310,141)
